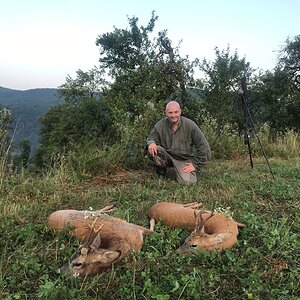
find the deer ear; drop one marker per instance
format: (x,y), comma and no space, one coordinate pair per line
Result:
(220,238)
(108,256)
(198,222)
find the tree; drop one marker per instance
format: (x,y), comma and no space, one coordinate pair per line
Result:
(67,125)
(22,160)
(222,85)
(126,49)
(84,117)
(277,93)
(289,60)
(5,120)
(143,69)
(85,85)
(277,101)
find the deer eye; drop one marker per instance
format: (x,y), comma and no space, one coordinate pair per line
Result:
(193,246)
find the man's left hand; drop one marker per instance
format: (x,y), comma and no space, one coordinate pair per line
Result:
(188,168)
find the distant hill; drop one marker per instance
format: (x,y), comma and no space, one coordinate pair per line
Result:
(27,107)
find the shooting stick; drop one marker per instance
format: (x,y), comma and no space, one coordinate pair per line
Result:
(247,117)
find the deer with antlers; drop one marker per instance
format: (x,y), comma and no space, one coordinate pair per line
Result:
(106,240)
(210,231)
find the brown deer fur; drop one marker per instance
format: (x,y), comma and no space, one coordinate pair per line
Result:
(116,235)
(210,231)
(175,215)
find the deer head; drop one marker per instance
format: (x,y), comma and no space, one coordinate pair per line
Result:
(199,240)
(90,258)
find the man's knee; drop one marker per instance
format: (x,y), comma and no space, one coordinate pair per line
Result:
(190,182)
(187,179)
(186,182)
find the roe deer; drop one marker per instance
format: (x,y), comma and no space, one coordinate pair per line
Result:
(174,215)
(107,240)
(210,231)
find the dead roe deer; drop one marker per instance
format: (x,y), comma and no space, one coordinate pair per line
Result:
(210,231)
(107,240)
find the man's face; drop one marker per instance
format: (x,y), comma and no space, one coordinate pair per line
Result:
(173,113)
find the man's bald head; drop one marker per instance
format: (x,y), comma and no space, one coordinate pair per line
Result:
(173,112)
(173,104)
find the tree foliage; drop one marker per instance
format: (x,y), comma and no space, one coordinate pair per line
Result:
(22,160)
(278,93)
(5,120)
(85,85)
(82,118)
(222,85)
(278,102)
(143,68)
(289,60)
(126,49)
(67,125)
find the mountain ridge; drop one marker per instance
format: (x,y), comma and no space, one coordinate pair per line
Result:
(27,108)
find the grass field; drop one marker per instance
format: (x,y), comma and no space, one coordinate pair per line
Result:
(265,264)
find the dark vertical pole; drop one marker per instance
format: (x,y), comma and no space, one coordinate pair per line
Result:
(247,117)
(244,99)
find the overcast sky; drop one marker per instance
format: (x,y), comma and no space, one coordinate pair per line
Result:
(44,41)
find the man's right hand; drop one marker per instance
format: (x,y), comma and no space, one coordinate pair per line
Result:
(152,149)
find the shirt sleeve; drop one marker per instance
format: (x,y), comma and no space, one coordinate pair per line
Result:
(203,152)
(153,137)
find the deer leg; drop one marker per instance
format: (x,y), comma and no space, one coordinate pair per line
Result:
(152,224)
(193,205)
(240,224)
(107,208)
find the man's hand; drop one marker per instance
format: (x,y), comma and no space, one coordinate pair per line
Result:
(152,149)
(188,168)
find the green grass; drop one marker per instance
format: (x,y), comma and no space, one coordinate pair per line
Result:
(265,264)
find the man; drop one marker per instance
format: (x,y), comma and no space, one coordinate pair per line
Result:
(171,142)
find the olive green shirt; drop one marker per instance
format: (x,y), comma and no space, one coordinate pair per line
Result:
(182,143)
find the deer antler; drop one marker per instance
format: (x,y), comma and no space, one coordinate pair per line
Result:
(93,238)
(200,222)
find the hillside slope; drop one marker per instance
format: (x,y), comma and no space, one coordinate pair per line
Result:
(27,107)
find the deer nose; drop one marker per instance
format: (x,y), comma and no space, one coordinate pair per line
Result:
(63,269)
